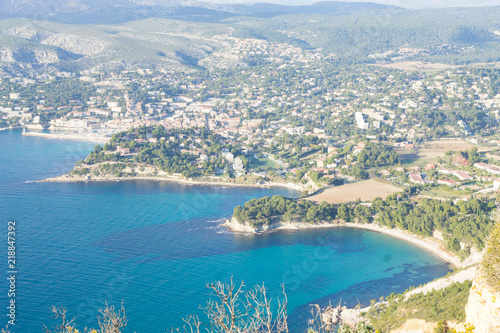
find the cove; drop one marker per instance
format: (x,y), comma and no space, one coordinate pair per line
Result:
(154,246)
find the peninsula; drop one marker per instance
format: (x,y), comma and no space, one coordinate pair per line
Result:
(452,231)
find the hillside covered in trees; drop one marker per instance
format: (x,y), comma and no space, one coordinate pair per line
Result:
(173,151)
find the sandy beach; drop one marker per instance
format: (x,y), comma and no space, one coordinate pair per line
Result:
(428,243)
(70,136)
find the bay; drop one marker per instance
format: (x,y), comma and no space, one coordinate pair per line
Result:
(154,246)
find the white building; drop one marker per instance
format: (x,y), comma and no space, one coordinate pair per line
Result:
(360,120)
(238,165)
(229,157)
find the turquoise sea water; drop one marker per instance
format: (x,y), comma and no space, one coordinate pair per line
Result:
(154,246)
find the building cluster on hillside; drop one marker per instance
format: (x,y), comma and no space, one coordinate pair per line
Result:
(483,177)
(240,107)
(295,108)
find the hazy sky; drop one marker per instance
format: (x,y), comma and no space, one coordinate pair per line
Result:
(399,3)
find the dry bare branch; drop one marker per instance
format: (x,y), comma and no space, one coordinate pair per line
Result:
(60,313)
(111,321)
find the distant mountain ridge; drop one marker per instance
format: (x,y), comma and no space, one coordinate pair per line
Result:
(108,11)
(191,35)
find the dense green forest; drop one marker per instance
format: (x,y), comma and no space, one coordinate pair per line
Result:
(279,208)
(371,156)
(376,155)
(467,222)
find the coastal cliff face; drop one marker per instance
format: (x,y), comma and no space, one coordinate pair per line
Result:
(238,226)
(483,307)
(235,225)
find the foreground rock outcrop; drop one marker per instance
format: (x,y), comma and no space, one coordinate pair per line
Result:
(483,307)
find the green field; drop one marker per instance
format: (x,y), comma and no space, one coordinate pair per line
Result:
(264,164)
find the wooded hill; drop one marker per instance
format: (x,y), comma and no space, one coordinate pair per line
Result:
(464,225)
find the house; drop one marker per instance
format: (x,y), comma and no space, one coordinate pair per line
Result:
(122,150)
(385,173)
(228,156)
(481,166)
(247,151)
(487,179)
(416,177)
(462,175)
(238,165)
(358,148)
(446,171)
(488,167)
(430,166)
(360,121)
(448,182)
(320,162)
(332,149)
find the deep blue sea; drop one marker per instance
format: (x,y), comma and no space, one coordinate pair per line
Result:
(154,246)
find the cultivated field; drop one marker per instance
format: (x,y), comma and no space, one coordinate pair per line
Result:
(430,151)
(435,149)
(366,190)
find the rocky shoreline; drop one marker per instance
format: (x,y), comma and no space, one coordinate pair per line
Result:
(10,128)
(73,179)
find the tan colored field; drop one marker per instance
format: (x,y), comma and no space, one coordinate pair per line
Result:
(416,66)
(435,149)
(430,151)
(366,190)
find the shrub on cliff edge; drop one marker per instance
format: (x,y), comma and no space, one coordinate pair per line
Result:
(491,259)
